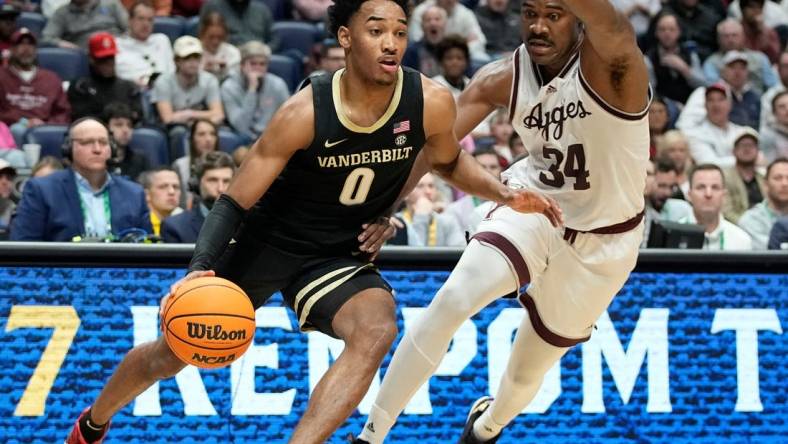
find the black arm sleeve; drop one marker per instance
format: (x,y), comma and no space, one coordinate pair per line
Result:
(215,234)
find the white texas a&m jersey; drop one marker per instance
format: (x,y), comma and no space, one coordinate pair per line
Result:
(590,157)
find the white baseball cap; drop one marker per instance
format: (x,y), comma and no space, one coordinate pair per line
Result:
(4,165)
(186,45)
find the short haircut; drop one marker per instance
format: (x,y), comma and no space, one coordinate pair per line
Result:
(775,162)
(146,177)
(706,167)
(482,150)
(326,45)
(138,3)
(117,110)
(255,48)
(450,42)
(212,161)
(664,165)
(777,97)
(746,3)
(341,11)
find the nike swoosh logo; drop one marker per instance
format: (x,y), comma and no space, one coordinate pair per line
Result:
(330,144)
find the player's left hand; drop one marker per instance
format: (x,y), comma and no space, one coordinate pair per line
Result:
(526,201)
(376,233)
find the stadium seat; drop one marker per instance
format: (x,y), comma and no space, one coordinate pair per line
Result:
(228,140)
(192,26)
(50,137)
(69,64)
(300,36)
(473,67)
(278,9)
(151,143)
(172,27)
(33,21)
(286,68)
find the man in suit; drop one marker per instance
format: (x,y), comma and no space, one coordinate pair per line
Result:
(83,201)
(212,174)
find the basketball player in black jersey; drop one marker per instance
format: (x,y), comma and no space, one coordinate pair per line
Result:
(334,158)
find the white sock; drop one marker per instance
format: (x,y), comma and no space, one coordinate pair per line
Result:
(485,427)
(531,358)
(427,340)
(408,370)
(377,426)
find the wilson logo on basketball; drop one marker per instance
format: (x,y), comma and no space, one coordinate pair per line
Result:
(212,359)
(214,332)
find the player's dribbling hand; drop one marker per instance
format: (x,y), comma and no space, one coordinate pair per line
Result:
(526,201)
(375,234)
(174,287)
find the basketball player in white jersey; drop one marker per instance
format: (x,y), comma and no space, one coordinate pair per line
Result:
(577,91)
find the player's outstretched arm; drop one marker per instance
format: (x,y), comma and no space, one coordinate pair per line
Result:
(610,58)
(442,152)
(290,129)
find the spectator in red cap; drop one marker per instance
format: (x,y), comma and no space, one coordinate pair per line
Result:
(89,95)
(29,96)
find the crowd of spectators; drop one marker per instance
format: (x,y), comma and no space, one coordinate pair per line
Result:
(718,119)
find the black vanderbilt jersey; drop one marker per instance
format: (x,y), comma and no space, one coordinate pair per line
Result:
(348,176)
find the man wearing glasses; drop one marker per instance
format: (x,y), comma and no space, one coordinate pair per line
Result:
(83,202)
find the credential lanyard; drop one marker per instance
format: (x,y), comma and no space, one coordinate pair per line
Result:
(107,213)
(432,234)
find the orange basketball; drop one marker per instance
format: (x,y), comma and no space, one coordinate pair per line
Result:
(209,322)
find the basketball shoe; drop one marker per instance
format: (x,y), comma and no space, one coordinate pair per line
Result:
(478,407)
(75,437)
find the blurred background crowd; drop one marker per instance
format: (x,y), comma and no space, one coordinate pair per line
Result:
(186,86)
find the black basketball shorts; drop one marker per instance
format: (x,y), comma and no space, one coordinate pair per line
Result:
(314,287)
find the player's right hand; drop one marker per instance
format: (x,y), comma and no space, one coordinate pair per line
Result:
(527,201)
(174,287)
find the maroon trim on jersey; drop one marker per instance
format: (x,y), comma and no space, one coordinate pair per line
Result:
(611,109)
(569,64)
(570,234)
(542,330)
(515,84)
(508,249)
(538,73)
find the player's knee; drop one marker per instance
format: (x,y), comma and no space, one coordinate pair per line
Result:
(454,302)
(377,338)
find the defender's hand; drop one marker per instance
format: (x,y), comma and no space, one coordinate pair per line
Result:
(174,287)
(526,201)
(375,234)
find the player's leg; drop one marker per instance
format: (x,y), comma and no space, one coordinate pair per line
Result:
(530,360)
(427,341)
(367,324)
(563,303)
(148,363)
(140,368)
